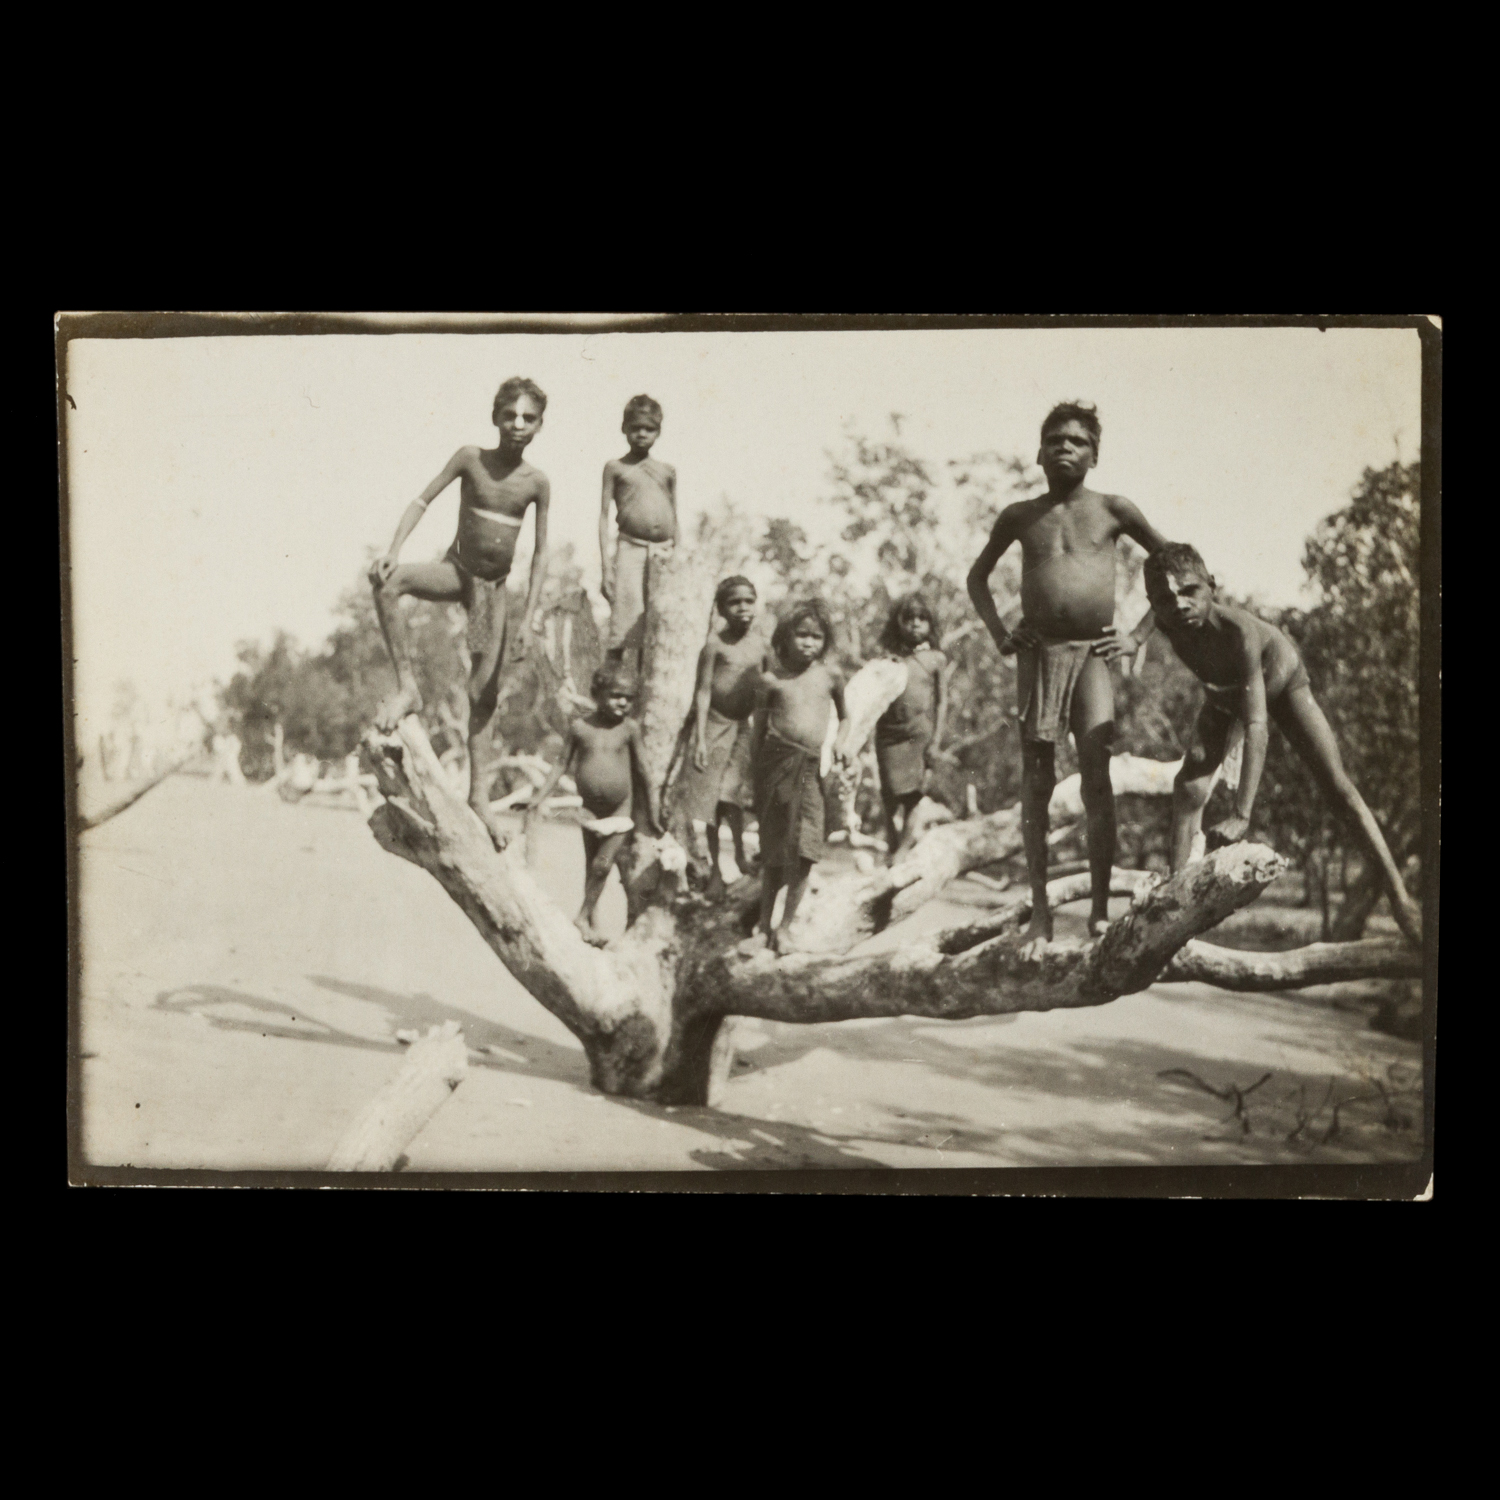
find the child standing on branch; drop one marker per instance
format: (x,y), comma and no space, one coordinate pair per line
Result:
(643,491)
(908,732)
(497,487)
(792,702)
(1064,642)
(603,755)
(1251,672)
(712,787)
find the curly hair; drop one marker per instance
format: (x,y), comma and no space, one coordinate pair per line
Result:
(1180,559)
(738,581)
(1084,412)
(913,607)
(786,627)
(645,406)
(613,674)
(518,385)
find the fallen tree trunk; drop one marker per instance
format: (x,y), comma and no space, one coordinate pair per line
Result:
(116,805)
(379,1135)
(1297,968)
(650,1008)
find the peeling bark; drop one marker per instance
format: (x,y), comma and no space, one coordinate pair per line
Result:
(1317,963)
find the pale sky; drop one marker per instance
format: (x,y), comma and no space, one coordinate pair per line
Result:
(223,487)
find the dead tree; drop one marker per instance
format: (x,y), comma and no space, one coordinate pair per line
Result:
(650,1008)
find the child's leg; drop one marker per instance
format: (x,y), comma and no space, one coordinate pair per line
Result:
(715,877)
(771,881)
(1195,782)
(1305,726)
(888,806)
(484,696)
(796,884)
(908,805)
(1093,725)
(439,582)
(1038,778)
(729,813)
(601,855)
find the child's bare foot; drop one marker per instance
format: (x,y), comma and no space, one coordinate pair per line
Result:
(755,943)
(716,887)
(1097,925)
(1040,926)
(395,708)
(498,835)
(779,944)
(589,933)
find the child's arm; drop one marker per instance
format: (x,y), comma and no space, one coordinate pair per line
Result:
(762,715)
(672,495)
(1004,533)
(638,768)
(1115,647)
(940,706)
(559,770)
(1134,524)
(606,575)
(383,567)
(841,739)
(538,566)
(1232,829)
(702,697)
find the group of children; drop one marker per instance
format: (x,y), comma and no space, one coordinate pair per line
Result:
(760,716)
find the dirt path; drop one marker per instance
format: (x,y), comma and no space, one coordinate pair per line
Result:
(247,963)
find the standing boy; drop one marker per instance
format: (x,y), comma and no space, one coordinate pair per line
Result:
(497,486)
(603,755)
(1064,641)
(643,491)
(711,787)
(1249,670)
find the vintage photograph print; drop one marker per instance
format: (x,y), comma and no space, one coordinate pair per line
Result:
(935,755)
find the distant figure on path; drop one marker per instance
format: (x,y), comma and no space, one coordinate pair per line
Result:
(908,732)
(714,785)
(1250,670)
(497,488)
(1064,641)
(603,755)
(643,491)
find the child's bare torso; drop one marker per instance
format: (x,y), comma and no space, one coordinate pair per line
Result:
(1214,651)
(492,504)
(797,706)
(601,765)
(919,697)
(1068,564)
(737,666)
(643,498)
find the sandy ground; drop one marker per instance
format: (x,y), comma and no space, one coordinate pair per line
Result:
(246,964)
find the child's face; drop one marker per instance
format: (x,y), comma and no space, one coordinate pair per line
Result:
(614,703)
(1067,451)
(1179,599)
(739,606)
(916,629)
(641,431)
(519,419)
(807,642)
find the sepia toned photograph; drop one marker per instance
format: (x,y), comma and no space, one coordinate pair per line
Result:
(748,753)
